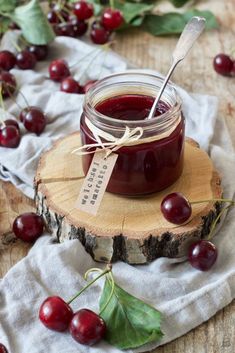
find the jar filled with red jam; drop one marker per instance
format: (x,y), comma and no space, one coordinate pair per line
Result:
(153,162)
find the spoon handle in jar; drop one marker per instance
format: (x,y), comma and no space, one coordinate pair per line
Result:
(190,34)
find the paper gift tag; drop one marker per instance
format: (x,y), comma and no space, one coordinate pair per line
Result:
(95,182)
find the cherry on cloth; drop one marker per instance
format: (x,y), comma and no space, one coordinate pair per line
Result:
(202,255)
(55,314)
(86,327)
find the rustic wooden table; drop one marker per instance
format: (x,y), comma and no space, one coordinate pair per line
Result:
(197,75)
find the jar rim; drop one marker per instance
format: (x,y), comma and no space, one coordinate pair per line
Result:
(158,120)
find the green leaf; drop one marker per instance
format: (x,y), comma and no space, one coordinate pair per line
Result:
(130,322)
(132,10)
(179,3)
(33,22)
(7,5)
(137,21)
(211,21)
(173,23)
(4,23)
(170,23)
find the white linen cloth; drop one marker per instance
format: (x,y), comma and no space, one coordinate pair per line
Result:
(186,297)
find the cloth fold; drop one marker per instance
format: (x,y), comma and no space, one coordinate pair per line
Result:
(186,297)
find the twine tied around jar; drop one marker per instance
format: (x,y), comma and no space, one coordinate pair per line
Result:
(113,143)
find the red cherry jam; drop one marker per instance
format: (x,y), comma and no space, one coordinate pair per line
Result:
(156,160)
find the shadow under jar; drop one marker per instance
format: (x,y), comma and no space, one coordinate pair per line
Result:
(155,161)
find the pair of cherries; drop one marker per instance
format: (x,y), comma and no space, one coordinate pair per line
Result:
(85,326)
(59,71)
(25,59)
(177,209)
(34,121)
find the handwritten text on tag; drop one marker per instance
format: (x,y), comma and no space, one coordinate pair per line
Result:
(95,182)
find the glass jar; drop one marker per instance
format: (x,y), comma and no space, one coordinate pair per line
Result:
(155,161)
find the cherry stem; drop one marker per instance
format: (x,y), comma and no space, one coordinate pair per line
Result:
(23,40)
(108,269)
(64,8)
(1,98)
(219,200)
(5,15)
(112,4)
(96,50)
(93,58)
(18,91)
(233,52)
(11,97)
(216,220)
(82,58)
(15,45)
(110,279)
(61,18)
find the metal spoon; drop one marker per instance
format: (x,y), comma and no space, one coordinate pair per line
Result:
(190,34)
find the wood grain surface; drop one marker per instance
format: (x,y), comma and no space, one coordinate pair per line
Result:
(196,75)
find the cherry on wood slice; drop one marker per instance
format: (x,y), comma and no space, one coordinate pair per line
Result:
(127,229)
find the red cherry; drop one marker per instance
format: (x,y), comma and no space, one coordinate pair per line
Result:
(58,70)
(83,10)
(3,349)
(87,327)
(99,35)
(79,27)
(8,83)
(56,28)
(34,120)
(176,208)
(25,60)
(69,85)
(112,19)
(28,227)
(9,137)
(11,122)
(39,51)
(223,64)
(25,111)
(55,314)
(65,14)
(88,85)
(202,255)
(52,17)
(67,30)
(7,60)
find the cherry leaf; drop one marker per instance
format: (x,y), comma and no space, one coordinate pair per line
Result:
(131,10)
(130,322)
(33,22)
(173,23)
(179,3)
(7,5)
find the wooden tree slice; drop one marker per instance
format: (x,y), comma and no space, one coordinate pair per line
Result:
(127,229)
